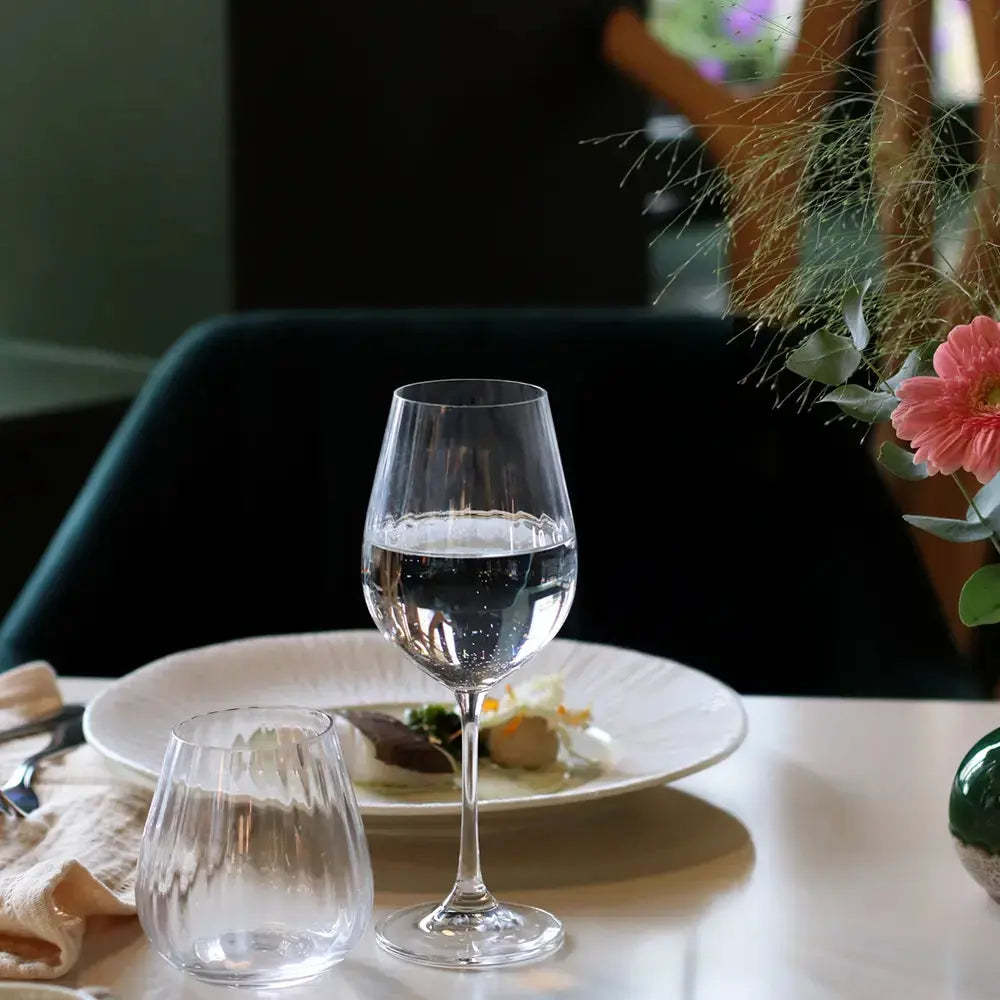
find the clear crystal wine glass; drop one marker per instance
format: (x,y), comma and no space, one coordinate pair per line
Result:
(469,566)
(253,866)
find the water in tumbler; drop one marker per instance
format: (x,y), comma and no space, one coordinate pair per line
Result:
(469,596)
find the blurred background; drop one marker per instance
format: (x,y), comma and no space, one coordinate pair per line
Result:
(170,160)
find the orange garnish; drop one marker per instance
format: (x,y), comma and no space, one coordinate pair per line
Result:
(490,705)
(580,718)
(513,725)
(509,690)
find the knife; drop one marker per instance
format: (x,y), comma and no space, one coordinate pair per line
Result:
(65,714)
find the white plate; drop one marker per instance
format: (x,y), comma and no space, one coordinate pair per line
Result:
(653,720)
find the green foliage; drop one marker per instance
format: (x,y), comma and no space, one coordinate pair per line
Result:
(862,404)
(986,504)
(854,315)
(901,462)
(441,725)
(979,602)
(825,357)
(949,529)
(918,362)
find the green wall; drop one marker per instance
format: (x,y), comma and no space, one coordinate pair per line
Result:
(112,170)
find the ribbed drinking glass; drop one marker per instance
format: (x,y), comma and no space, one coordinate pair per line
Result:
(253,866)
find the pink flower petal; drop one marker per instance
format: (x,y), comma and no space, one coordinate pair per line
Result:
(987,331)
(983,456)
(946,364)
(949,420)
(949,449)
(921,387)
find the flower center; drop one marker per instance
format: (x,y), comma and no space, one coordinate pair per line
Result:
(993,395)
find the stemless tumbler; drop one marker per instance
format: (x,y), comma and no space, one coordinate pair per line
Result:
(253,866)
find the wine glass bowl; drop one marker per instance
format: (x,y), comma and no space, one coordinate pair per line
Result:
(469,566)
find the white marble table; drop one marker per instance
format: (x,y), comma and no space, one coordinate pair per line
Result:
(814,864)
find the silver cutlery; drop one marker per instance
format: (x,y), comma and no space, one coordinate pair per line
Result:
(7,808)
(18,791)
(49,722)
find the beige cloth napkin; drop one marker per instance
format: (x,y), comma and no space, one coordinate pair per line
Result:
(73,860)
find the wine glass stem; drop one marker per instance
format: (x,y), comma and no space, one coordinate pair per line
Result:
(469,895)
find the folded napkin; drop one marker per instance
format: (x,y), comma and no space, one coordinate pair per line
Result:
(73,860)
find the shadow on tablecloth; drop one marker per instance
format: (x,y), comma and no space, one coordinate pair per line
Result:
(659,847)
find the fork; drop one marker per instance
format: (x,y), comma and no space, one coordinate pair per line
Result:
(18,791)
(7,808)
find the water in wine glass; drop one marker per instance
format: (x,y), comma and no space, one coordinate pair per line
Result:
(469,595)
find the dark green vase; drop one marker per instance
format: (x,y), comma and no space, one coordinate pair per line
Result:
(974,812)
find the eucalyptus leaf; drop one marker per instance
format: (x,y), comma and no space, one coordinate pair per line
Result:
(987,502)
(920,361)
(861,403)
(824,357)
(854,316)
(900,462)
(950,529)
(979,602)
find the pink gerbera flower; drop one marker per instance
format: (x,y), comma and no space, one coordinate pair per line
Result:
(953,422)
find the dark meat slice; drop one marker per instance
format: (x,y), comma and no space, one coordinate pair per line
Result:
(395,743)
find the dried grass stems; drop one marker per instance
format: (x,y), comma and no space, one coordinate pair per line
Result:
(827,187)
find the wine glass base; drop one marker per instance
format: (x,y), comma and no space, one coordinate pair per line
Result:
(506,934)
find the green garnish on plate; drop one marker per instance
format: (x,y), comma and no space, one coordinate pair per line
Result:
(442,726)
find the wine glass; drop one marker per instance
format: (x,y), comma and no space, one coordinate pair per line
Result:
(469,567)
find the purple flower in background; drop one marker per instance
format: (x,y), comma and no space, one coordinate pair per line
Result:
(745,19)
(712,69)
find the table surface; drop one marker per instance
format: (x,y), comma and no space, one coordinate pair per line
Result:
(815,863)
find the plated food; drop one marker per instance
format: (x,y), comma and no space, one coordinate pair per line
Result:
(650,719)
(527,732)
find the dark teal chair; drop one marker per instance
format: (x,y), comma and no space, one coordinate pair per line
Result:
(756,544)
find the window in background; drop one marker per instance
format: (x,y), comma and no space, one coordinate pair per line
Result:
(954,62)
(735,41)
(729,41)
